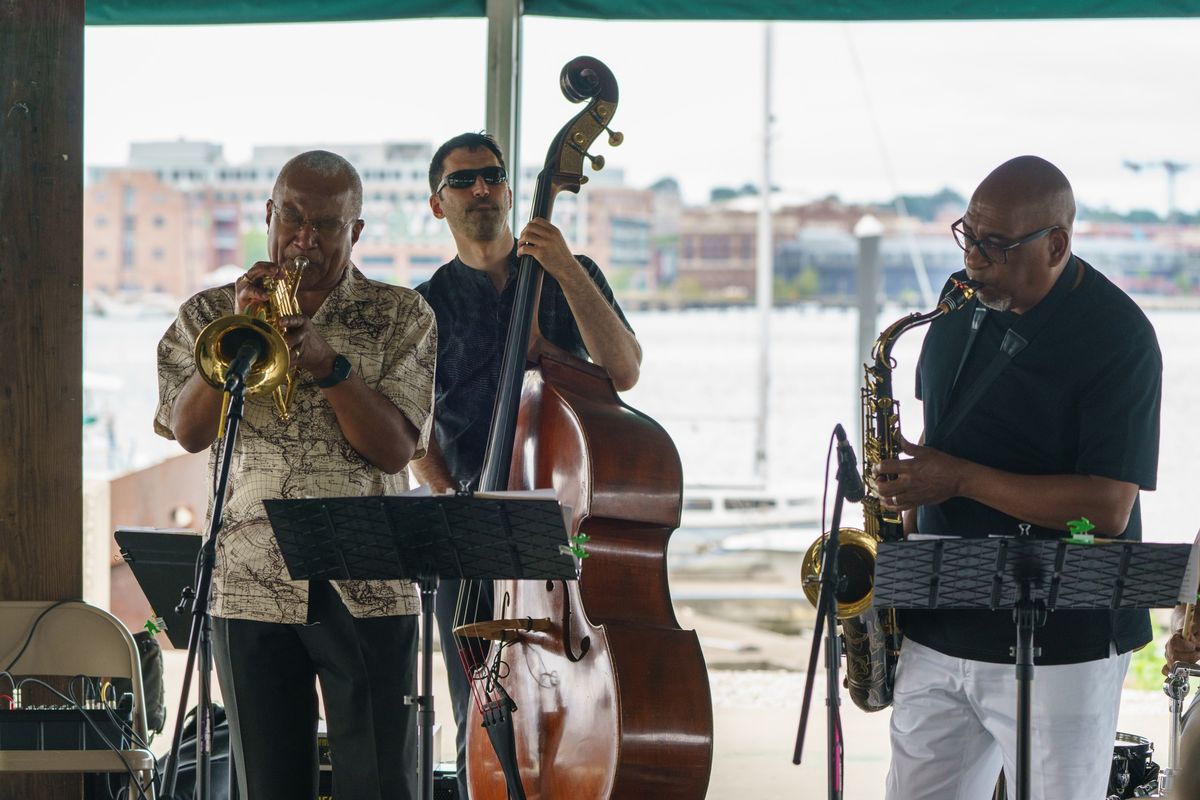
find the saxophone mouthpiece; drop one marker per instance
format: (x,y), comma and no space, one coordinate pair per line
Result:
(959,296)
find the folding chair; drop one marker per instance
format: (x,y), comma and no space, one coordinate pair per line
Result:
(75,639)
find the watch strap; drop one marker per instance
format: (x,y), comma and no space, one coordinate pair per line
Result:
(341,371)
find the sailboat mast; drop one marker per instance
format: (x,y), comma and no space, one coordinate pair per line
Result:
(764,268)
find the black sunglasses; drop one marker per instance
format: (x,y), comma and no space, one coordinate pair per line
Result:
(465,178)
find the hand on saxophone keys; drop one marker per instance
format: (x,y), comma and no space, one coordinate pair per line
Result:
(925,477)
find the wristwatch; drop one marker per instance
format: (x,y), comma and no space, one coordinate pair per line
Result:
(341,371)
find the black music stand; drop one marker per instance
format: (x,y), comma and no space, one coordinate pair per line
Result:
(422,538)
(1032,577)
(163,561)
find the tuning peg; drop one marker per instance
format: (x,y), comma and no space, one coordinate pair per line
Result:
(597,161)
(614,137)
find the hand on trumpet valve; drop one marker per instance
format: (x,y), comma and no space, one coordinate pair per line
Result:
(248,289)
(307,348)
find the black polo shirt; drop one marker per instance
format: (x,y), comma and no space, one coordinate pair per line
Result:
(472,321)
(1082,398)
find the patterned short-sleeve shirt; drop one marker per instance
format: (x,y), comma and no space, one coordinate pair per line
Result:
(389,335)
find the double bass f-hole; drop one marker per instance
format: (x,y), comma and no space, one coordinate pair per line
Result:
(585,643)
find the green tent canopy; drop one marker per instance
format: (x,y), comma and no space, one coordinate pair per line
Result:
(209,12)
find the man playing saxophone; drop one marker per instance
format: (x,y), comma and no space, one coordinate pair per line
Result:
(1041,406)
(364,356)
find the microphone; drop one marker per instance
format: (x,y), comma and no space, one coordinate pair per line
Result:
(250,349)
(847,474)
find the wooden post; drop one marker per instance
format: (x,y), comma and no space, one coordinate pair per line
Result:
(41,370)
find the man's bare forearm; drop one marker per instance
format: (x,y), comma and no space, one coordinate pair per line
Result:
(608,341)
(372,424)
(195,414)
(432,471)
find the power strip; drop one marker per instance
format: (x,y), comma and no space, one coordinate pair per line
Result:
(61,728)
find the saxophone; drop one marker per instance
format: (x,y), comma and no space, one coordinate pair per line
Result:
(872,637)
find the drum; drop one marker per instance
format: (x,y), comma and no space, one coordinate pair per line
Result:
(1133,772)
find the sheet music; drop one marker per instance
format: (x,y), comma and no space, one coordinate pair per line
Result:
(1191,577)
(521,494)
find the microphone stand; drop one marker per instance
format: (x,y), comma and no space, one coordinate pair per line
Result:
(827,620)
(200,635)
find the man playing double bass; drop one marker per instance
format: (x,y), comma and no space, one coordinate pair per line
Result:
(472,299)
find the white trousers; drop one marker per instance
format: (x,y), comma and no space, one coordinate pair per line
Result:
(954,723)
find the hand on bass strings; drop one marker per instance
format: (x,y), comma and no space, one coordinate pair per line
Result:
(926,477)
(545,243)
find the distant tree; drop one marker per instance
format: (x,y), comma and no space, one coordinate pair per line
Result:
(620,279)
(926,206)
(808,282)
(1142,215)
(690,290)
(719,193)
(666,184)
(254,246)
(1138,216)
(804,285)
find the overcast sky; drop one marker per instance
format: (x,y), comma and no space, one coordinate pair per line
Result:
(862,110)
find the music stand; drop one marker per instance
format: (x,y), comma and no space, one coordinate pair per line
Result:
(163,561)
(1032,577)
(422,538)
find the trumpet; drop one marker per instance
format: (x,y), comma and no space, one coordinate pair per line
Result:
(217,345)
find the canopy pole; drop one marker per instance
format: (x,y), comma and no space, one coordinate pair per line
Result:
(503,119)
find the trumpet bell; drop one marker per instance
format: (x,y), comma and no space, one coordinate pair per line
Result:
(856,571)
(217,346)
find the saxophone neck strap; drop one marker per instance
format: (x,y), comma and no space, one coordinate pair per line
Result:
(1016,338)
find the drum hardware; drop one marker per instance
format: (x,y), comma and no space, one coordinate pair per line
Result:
(1133,772)
(1175,687)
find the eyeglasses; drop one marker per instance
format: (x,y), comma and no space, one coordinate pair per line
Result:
(993,252)
(465,178)
(291,220)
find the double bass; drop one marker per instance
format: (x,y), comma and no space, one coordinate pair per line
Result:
(591,691)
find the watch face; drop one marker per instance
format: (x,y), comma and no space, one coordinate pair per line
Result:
(341,371)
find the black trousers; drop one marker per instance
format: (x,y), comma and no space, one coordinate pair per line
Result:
(478,596)
(365,666)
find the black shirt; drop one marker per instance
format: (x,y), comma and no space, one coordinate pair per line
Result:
(472,321)
(1082,398)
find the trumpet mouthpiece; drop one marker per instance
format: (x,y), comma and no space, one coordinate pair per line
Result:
(300,262)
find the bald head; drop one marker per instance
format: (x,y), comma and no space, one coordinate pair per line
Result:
(333,171)
(1023,211)
(1033,192)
